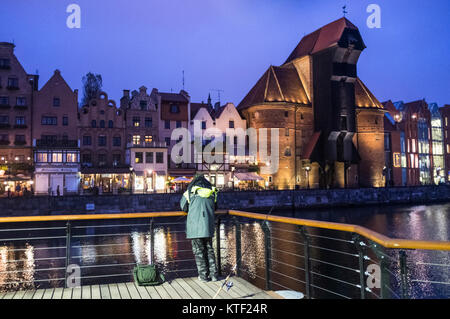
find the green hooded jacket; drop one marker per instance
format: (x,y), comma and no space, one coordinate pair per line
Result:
(200,202)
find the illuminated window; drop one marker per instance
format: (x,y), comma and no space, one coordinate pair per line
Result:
(136,121)
(72,157)
(136,139)
(42,157)
(139,157)
(57,157)
(397,160)
(148,139)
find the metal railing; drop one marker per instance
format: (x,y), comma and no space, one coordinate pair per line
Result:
(333,260)
(320,259)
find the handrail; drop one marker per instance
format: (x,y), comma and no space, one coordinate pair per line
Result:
(370,234)
(48,218)
(383,240)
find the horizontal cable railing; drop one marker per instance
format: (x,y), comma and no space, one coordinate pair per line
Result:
(320,259)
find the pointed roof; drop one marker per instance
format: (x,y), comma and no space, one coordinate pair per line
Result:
(321,39)
(195,107)
(364,98)
(56,79)
(278,84)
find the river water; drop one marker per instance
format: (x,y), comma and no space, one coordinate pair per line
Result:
(106,251)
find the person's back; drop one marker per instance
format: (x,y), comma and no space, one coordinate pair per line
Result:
(199,201)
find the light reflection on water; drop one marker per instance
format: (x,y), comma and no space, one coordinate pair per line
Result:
(171,249)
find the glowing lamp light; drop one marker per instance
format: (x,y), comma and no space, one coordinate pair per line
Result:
(16,158)
(2,172)
(149,171)
(31,182)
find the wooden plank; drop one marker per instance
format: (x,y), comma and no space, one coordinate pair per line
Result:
(232,293)
(142,292)
(86,292)
(213,287)
(28,294)
(243,290)
(95,292)
(9,295)
(104,291)
(153,292)
(203,291)
(162,292)
(2,294)
(252,289)
(188,289)
(133,291)
(39,294)
(19,294)
(171,291)
(180,290)
(57,294)
(48,294)
(114,291)
(67,293)
(124,294)
(76,293)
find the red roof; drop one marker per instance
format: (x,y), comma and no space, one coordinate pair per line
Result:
(321,39)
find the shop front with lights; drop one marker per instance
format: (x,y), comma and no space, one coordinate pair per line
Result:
(16,175)
(98,181)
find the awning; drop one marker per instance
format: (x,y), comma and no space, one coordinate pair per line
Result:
(105,170)
(248,176)
(182,179)
(160,173)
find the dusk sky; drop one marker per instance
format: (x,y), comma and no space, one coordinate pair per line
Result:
(225,44)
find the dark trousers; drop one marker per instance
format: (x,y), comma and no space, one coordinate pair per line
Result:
(204,257)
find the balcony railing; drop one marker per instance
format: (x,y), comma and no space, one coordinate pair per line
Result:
(12,87)
(5,106)
(147,145)
(21,107)
(20,142)
(20,126)
(5,126)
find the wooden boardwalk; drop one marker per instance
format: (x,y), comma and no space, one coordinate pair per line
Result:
(180,288)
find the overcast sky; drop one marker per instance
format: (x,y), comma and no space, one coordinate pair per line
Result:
(225,44)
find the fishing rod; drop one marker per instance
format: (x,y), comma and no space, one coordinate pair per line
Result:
(228,283)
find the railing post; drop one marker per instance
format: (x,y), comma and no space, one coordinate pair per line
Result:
(68,246)
(237,227)
(307,261)
(152,242)
(219,265)
(362,282)
(404,274)
(384,274)
(268,253)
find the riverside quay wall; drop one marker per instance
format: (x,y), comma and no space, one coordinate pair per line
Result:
(44,205)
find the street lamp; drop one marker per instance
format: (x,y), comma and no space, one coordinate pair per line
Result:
(307,169)
(232,175)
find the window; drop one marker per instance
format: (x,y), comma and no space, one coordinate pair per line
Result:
(21,101)
(102,124)
(148,122)
(149,157)
(94,123)
(56,101)
(286,113)
(13,83)
(20,120)
(101,159)
(159,157)
(4,137)
(203,125)
(110,124)
(286,132)
(136,139)
(138,157)
(167,124)
(4,100)
(4,119)
(49,120)
(117,141)
(87,140)
(102,140)
(174,108)
(116,159)
(42,157)
(167,139)
(148,138)
(287,151)
(143,104)
(86,158)
(57,157)
(231,124)
(65,121)
(136,121)
(71,157)
(5,64)
(178,124)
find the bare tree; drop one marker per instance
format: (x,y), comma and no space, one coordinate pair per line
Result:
(92,86)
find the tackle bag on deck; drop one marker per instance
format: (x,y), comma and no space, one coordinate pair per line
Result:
(147,275)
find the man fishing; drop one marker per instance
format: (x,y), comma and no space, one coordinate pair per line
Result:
(200,202)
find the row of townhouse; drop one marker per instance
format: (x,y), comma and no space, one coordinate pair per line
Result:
(417,144)
(51,145)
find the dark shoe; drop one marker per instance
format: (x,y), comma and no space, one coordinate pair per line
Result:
(214,278)
(202,279)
